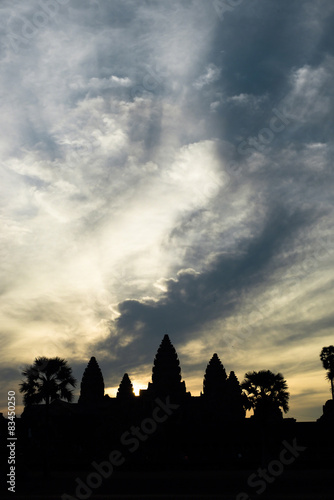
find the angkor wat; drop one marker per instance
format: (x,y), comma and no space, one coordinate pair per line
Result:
(165,428)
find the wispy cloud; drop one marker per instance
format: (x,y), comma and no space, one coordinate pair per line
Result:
(128,207)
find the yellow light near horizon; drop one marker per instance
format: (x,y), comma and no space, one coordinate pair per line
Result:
(137,386)
(112,391)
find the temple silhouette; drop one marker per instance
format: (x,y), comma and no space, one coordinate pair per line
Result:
(221,393)
(221,399)
(206,429)
(94,425)
(163,429)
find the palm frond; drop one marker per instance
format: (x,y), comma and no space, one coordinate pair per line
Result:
(47,379)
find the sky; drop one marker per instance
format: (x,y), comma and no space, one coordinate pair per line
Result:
(167,167)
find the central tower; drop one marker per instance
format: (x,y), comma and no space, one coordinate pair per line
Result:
(166,373)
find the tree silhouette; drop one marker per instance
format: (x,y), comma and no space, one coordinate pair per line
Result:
(92,383)
(125,390)
(266,392)
(47,379)
(214,383)
(327,359)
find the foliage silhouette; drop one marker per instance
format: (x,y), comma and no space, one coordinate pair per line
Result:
(266,393)
(327,359)
(47,379)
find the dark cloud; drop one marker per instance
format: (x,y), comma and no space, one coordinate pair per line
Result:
(139,139)
(193,299)
(273,42)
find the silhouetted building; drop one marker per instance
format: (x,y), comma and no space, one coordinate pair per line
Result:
(166,373)
(206,429)
(92,384)
(328,412)
(125,390)
(234,400)
(214,383)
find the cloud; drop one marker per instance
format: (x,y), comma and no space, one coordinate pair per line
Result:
(193,299)
(128,207)
(212,74)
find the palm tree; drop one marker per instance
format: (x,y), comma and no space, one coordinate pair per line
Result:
(266,392)
(327,359)
(47,379)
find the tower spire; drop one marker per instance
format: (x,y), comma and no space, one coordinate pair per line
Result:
(92,383)
(166,372)
(214,383)
(125,390)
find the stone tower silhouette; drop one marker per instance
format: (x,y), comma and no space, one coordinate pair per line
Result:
(214,383)
(92,384)
(166,373)
(125,390)
(234,398)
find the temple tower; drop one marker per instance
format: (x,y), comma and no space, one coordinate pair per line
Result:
(125,390)
(234,398)
(214,383)
(92,384)
(166,373)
